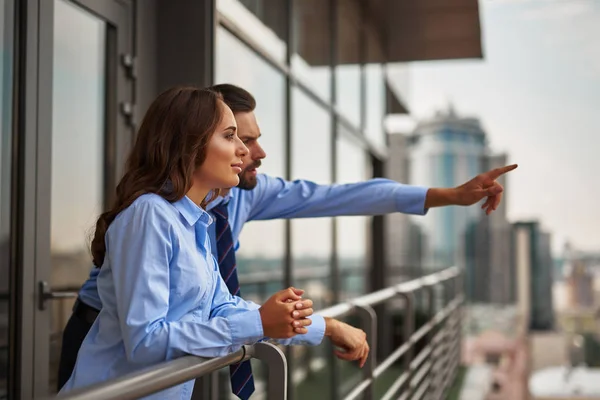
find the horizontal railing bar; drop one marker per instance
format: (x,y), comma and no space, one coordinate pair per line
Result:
(376,298)
(422,356)
(401,381)
(391,359)
(337,311)
(422,331)
(154,379)
(419,393)
(359,389)
(420,374)
(385,364)
(389,293)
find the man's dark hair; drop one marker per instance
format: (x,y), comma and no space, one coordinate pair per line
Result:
(238,99)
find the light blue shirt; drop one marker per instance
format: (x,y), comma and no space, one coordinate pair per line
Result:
(163,297)
(275,198)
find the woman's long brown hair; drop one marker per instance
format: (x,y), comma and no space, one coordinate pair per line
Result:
(170,145)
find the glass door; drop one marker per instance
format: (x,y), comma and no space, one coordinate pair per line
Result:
(81,141)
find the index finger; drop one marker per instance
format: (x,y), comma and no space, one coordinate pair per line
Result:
(364,357)
(498,172)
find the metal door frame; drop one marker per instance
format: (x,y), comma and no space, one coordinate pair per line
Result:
(35,133)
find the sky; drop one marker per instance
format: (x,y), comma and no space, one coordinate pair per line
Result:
(537,94)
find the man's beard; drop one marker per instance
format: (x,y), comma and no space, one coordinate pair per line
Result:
(248,183)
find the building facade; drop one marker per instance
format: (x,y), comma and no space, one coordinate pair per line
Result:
(76,77)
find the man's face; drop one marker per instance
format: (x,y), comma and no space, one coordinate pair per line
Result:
(248,132)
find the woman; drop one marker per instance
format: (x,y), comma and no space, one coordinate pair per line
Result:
(161,291)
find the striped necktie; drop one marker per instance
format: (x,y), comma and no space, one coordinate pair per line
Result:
(242,383)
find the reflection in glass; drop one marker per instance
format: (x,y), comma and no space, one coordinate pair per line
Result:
(348,69)
(78,128)
(261,243)
(6,82)
(311,58)
(311,238)
(264,21)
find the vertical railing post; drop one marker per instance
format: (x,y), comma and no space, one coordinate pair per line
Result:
(459,311)
(443,363)
(369,319)
(408,329)
(277,376)
(430,289)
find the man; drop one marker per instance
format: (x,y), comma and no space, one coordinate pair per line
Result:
(260,197)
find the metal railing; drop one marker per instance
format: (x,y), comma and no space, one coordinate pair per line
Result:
(172,373)
(427,374)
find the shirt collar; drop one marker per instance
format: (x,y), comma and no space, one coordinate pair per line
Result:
(220,199)
(192,212)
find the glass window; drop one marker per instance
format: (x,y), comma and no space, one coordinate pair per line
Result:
(352,232)
(261,242)
(263,22)
(6,86)
(348,68)
(352,243)
(311,58)
(311,238)
(78,138)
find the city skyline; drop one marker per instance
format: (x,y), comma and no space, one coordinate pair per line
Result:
(535,92)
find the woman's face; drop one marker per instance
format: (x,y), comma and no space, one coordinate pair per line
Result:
(224,154)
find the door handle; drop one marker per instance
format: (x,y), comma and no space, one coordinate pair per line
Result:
(46,293)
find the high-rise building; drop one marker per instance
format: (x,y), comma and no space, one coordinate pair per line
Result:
(446,151)
(489,251)
(534,267)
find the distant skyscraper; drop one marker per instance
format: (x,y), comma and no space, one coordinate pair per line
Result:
(446,151)
(489,251)
(534,269)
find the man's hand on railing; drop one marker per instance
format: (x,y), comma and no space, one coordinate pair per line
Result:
(351,340)
(284,314)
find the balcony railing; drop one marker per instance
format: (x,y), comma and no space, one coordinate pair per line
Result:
(427,374)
